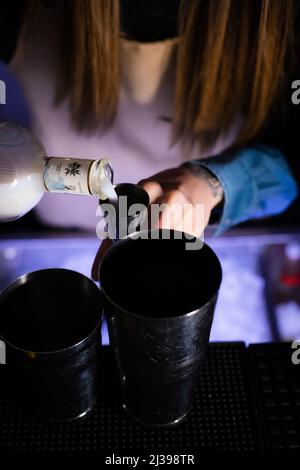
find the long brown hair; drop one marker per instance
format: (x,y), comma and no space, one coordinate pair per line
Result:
(232,59)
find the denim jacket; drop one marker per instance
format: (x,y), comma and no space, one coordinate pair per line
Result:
(257,182)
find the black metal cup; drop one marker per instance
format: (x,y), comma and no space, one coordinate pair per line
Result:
(50,322)
(124,222)
(159,300)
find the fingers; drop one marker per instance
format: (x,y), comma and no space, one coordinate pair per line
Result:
(153,188)
(106,243)
(174,213)
(160,183)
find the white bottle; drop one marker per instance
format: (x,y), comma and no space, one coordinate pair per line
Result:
(26,173)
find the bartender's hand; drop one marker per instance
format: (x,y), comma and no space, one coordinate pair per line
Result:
(185,185)
(179,190)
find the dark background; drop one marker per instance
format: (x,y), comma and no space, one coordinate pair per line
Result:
(282,130)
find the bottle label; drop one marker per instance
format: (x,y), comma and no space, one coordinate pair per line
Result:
(67,175)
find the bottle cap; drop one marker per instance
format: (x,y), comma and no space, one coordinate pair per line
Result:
(101,178)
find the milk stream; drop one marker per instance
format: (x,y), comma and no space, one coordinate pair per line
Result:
(107,188)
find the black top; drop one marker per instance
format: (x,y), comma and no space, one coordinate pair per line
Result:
(149,20)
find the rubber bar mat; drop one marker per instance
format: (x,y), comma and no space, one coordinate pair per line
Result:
(277,382)
(222,417)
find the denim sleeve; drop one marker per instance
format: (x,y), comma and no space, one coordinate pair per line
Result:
(257,182)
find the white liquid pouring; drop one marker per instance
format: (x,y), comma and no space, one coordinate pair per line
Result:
(108,189)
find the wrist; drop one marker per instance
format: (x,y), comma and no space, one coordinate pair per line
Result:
(210,186)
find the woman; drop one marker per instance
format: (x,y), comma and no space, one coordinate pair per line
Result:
(180,90)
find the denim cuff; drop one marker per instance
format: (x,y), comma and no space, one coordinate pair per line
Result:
(257,182)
